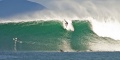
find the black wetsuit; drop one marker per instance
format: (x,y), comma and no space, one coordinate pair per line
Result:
(66,23)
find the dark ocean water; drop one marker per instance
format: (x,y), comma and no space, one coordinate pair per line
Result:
(59,56)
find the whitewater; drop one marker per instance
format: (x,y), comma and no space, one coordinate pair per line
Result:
(95,26)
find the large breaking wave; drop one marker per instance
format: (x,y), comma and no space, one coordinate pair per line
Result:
(51,36)
(96,27)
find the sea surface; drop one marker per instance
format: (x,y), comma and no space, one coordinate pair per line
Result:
(59,55)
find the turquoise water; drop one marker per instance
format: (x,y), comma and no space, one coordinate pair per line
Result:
(59,56)
(47,36)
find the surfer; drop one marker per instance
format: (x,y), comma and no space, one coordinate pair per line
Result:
(61,50)
(66,23)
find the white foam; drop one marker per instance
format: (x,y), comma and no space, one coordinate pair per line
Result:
(107,29)
(65,46)
(102,45)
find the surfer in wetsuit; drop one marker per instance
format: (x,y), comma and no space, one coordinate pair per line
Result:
(66,23)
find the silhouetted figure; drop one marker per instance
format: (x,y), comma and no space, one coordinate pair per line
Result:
(10,8)
(61,50)
(66,23)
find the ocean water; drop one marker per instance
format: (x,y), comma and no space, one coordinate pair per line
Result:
(92,26)
(92,33)
(59,56)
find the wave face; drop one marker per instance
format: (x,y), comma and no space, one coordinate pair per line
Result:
(51,36)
